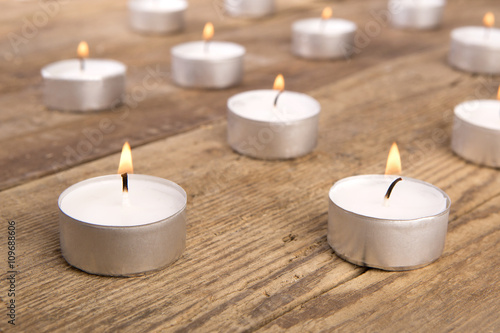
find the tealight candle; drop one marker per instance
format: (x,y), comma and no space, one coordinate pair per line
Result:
(83,84)
(122,225)
(207,64)
(323,38)
(476,49)
(476,132)
(249,8)
(157,16)
(272,124)
(387,222)
(416,14)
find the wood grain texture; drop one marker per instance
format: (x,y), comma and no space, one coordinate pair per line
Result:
(257,257)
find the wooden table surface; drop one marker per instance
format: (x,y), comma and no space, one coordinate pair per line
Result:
(257,258)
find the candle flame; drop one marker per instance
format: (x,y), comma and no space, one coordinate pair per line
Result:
(489,20)
(126,160)
(393,166)
(83,50)
(208,31)
(498,94)
(326,13)
(279,83)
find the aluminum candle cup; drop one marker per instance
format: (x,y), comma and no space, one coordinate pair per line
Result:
(316,38)
(256,129)
(476,132)
(249,8)
(101,85)
(102,232)
(157,16)
(207,65)
(416,14)
(475,49)
(406,234)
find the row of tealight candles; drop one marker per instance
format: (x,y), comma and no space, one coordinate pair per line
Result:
(108,223)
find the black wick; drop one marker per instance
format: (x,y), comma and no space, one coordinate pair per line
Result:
(277,96)
(389,190)
(125,182)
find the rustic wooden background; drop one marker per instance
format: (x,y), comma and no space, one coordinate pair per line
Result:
(257,257)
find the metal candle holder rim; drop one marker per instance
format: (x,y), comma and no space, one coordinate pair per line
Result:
(45,71)
(459,30)
(181,8)
(469,123)
(391,220)
(175,51)
(330,33)
(315,114)
(152,178)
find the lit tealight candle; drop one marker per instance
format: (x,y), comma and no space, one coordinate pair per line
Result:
(249,8)
(207,63)
(323,38)
(476,131)
(416,14)
(83,84)
(157,16)
(272,124)
(122,224)
(476,49)
(387,222)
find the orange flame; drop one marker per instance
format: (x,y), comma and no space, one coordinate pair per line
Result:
(327,13)
(126,160)
(208,31)
(489,19)
(279,83)
(83,50)
(498,94)
(393,166)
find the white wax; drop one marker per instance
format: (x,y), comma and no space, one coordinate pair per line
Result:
(331,27)
(100,201)
(259,105)
(394,4)
(214,50)
(480,36)
(410,199)
(164,6)
(95,69)
(482,113)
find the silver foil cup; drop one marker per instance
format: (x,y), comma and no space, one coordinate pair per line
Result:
(393,245)
(62,92)
(420,15)
(473,49)
(124,250)
(322,45)
(475,143)
(249,8)
(272,140)
(156,21)
(213,73)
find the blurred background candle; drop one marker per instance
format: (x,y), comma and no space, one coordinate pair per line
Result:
(476,131)
(249,8)
(157,16)
(416,14)
(272,124)
(83,84)
(476,49)
(386,221)
(123,224)
(207,63)
(323,38)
